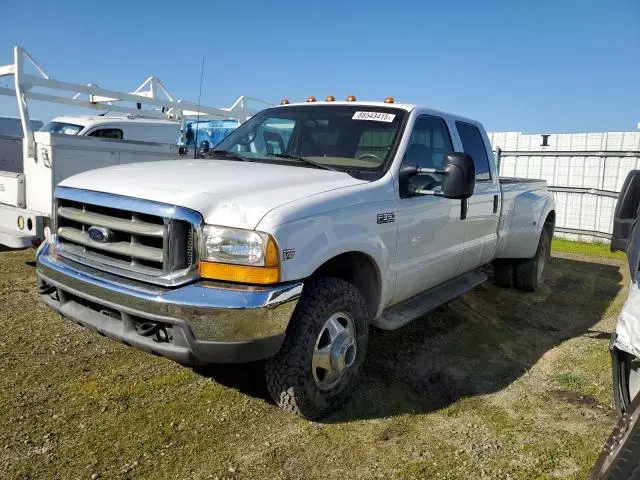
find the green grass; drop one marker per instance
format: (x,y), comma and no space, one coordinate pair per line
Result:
(583,248)
(500,384)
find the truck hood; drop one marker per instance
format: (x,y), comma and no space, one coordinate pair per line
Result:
(230,193)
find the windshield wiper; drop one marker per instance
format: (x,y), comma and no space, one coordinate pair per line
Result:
(229,154)
(302,159)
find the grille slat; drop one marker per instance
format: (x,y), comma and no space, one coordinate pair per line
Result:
(133,226)
(126,249)
(113,264)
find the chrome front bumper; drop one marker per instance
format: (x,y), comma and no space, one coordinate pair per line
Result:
(203,322)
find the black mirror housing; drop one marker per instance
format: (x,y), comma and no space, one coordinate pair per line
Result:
(626,212)
(406,172)
(459,177)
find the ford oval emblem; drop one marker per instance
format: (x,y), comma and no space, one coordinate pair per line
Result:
(99,234)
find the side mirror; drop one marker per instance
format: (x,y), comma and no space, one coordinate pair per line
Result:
(626,212)
(458,177)
(204,148)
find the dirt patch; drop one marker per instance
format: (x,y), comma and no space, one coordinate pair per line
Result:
(575,398)
(564,285)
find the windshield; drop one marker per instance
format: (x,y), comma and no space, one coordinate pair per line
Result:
(62,127)
(341,137)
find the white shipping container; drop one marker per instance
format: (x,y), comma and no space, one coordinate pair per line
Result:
(584,170)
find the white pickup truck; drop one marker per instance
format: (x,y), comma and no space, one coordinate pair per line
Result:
(303,228)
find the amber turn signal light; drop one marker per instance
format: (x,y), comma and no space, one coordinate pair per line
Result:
(239,273)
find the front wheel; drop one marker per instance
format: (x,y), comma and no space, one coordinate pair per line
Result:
(323,351)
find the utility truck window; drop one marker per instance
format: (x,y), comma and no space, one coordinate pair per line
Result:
(61,127)
(114,133)
(337,137)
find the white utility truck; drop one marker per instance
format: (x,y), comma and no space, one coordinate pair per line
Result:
(305,226)
(31,166)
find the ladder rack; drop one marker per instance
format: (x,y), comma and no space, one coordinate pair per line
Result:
(151,92)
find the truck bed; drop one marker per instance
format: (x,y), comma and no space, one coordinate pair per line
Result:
(523,201)
(512,185)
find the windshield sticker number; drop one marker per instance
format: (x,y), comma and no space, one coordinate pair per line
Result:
(374,116)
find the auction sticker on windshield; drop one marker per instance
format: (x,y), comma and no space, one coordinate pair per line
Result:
(375,116)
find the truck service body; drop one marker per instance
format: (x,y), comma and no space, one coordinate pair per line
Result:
(305,226)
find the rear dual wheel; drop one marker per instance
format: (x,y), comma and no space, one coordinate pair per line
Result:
(527,274)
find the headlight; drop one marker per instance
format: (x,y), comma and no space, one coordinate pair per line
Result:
(238,255)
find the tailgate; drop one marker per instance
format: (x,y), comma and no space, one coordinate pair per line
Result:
(12,189)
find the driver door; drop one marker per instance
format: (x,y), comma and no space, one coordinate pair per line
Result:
(430,232)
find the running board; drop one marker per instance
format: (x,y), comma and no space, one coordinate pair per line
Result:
(401,314)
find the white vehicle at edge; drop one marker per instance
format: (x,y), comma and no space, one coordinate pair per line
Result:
(625,340)
(305,226)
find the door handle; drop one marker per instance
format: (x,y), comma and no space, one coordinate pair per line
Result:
(495,204)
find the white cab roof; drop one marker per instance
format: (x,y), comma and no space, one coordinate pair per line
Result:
(403,106)
(409,107)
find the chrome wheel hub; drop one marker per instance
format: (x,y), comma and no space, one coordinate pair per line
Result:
(335,350)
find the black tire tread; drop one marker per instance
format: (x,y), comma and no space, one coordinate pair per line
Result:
(503,272)
(526,271)
(286,370)
(621,461)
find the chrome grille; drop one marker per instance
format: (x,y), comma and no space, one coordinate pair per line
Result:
(146,240)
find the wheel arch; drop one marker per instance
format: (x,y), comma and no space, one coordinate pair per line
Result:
(359,269)
(550,222)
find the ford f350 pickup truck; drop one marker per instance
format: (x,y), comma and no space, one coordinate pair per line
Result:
(303,228)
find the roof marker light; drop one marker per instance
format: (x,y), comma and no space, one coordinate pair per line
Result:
(330,98)
(311,99)
(389,100)
(284,101)
(351,98)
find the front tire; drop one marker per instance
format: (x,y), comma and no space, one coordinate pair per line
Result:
(323,352)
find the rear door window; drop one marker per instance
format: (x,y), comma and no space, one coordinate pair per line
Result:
(115,133)
(473,145)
